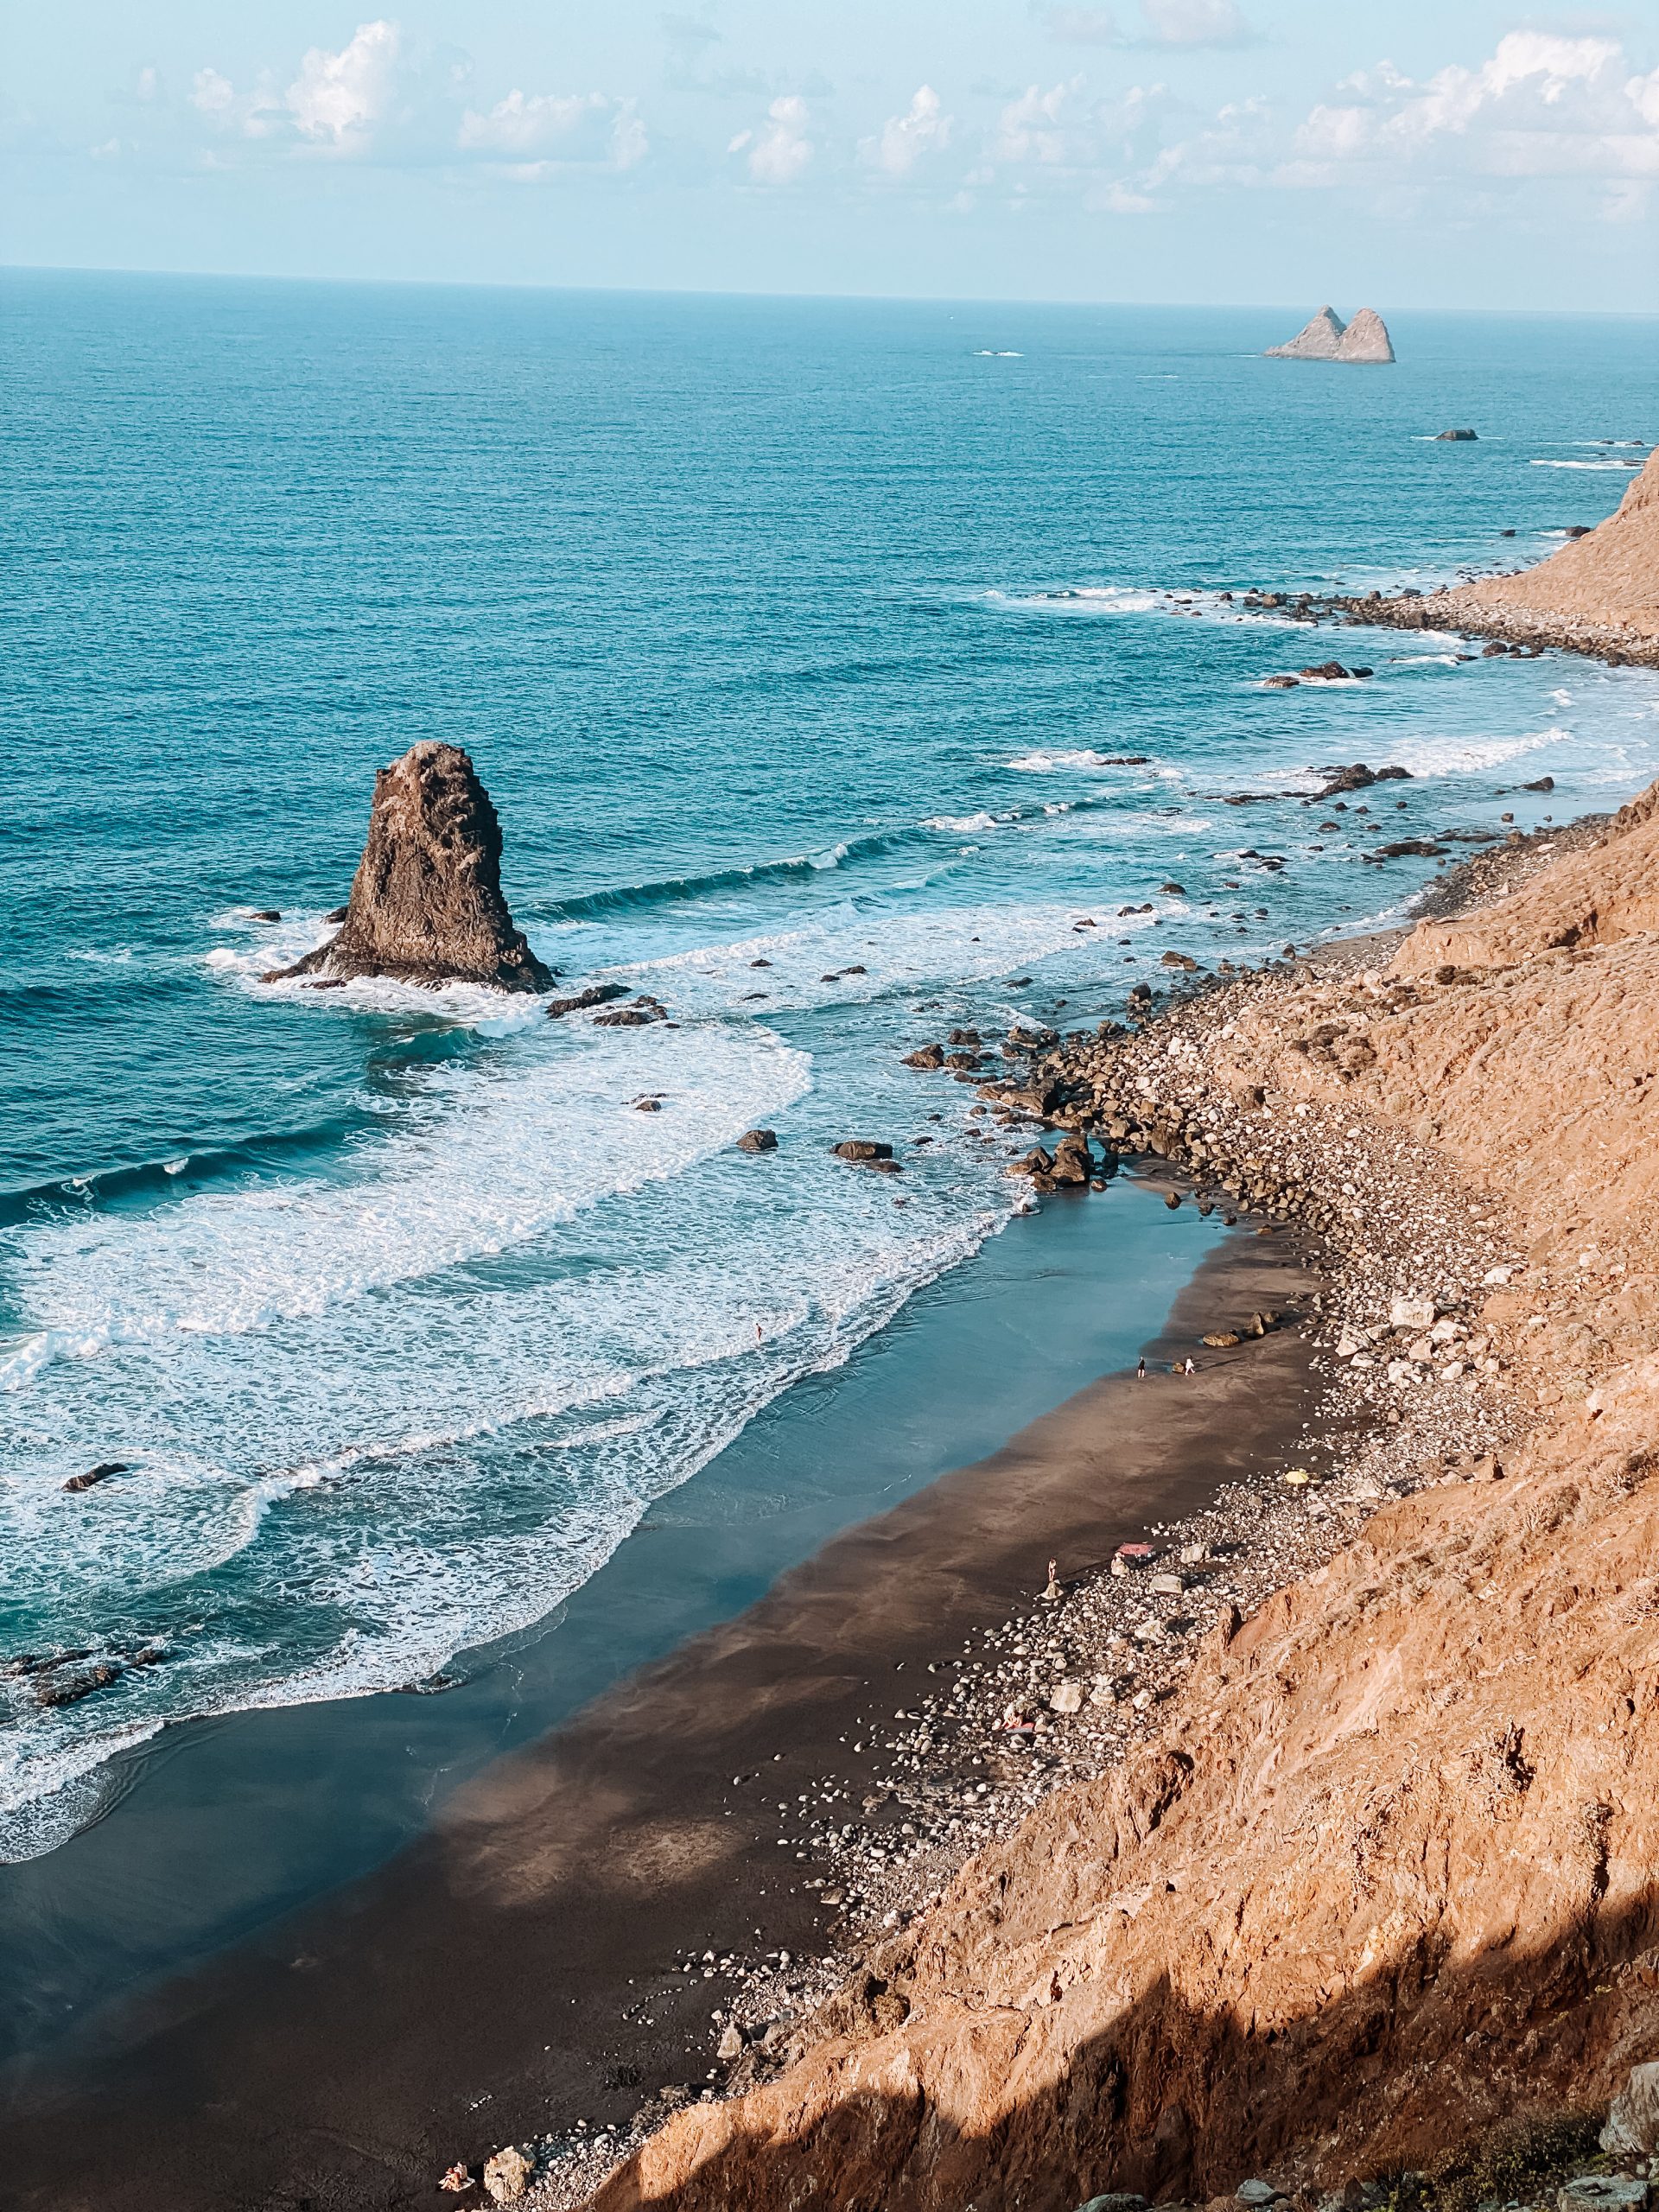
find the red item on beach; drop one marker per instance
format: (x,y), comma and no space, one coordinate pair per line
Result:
(1134,1551)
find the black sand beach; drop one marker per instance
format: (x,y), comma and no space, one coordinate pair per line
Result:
(515,1968)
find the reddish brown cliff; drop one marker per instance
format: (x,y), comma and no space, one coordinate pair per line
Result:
(1392,1873)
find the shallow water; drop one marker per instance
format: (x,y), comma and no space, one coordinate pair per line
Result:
(805,633)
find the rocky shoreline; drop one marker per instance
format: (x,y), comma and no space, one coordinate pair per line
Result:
(1415,1391)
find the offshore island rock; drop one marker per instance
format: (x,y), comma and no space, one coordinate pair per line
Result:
(1327,337)
(426,904)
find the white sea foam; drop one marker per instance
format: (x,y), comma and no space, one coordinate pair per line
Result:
(446,1533)
(1042,763)
(490,1159)
(1430,756)
(1585,464)
(963,824)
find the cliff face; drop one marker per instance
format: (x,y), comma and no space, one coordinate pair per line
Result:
(1610,579)
(426,904)
(1365,339)
(1392,1872)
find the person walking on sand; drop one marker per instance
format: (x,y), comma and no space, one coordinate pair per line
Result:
(1141,1371)
(1188,1369)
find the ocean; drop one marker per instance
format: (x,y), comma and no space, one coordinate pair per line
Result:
(841,672)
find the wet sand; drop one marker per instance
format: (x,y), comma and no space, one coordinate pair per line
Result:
(517,1968)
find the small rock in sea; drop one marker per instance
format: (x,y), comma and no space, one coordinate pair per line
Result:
(864,1150)
(633,1016)
(759,963)
(1327,671)
(1543,783)
(928,1056)
(100,1473)
(1174,890)
(1276,683)
(336,914)
(507,2175)
(1184,960)
(758,1140)
(596,994)
(69,1689)
(1494,651)
(1171,1199)
(857,969)
(328,983)
(1455,438)
(267,914)
(648,1105)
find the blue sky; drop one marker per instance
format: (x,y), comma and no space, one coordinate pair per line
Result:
(1425,153)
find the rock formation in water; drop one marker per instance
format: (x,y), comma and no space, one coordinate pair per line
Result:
(426,904)
(1327,337)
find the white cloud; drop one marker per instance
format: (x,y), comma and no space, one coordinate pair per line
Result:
(1540,106)
(1195,22)
(780,150)
(212,93)
(1040,126)
(337,98)
(147,86)
(374,99)
(924,128)
(564,128)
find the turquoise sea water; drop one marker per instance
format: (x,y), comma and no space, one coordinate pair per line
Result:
(803,633)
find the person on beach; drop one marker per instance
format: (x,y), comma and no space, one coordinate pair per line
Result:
(1188,1369)
(1140,1370)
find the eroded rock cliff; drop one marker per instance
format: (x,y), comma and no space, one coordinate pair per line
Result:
(1609,578)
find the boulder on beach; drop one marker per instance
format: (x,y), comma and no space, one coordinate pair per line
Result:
(1327,337)
(426,904)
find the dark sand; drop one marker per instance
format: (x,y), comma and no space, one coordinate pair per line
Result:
(516,1967)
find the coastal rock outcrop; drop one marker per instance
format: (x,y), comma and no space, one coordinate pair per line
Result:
(1608,576)
(426,904)
(1327,337)
(1599,593)
(1385,1877)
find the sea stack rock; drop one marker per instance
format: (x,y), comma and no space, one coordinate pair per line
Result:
(426,904)
(1327,337)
